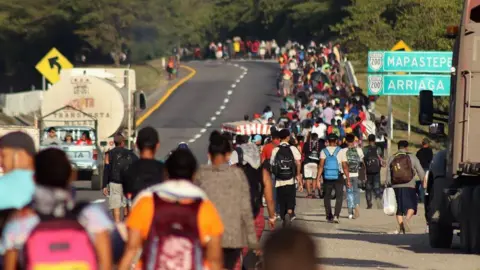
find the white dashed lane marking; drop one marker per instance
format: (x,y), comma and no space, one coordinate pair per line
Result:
(222,107)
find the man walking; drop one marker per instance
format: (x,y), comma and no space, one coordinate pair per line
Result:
(425,156)
(286,166)
(373,163)
(330,163)
(119,159)
(401,170)
(354,156)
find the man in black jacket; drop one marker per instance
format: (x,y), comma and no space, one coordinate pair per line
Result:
(425,155)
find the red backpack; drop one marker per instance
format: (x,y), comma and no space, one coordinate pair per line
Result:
(173,242)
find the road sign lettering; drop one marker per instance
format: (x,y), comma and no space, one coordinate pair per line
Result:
(408,85)
(52,64)
(415,62)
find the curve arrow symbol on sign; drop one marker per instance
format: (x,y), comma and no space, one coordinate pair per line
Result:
(54,62)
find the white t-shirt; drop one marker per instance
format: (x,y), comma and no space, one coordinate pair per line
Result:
(321,130)
(297,156)
(331,149)
(343,154)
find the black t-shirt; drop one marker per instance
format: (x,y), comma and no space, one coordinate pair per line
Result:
(425,155)
(142,174)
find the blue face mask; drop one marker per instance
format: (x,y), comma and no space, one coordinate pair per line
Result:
(16,189)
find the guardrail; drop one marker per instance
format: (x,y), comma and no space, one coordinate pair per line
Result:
(352,79)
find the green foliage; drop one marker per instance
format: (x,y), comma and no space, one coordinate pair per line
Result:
(147,29)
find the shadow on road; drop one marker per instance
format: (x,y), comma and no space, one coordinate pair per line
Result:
(345,262)
(417,243)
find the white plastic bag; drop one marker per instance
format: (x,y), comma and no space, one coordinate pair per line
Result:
(389,202)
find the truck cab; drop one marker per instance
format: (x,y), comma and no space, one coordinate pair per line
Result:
(454,176)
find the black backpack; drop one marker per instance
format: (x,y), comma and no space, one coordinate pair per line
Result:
(255,182)
(372,161)
(120,161)
(284,163)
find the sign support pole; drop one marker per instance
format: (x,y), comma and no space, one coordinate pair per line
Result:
(390,124)
(409,118)
(44,83)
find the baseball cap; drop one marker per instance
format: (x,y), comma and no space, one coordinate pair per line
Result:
(257,138)
(18,140)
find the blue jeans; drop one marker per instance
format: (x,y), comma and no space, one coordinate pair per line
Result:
(277,206)
(353,194)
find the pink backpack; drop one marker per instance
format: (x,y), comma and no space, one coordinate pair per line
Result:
(60,243)
(173,242)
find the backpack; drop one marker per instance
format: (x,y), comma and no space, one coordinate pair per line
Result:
(173,241)
(255,182)
(284,164)
(120,161)
(401,169)
(314,152)
(353,160)
(331,168)
(60,243)
(372,162)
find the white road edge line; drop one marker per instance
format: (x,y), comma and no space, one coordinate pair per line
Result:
(198,136)
(222,107)
(191,140)
(208,124)
(213,118)
(238,80)
(217,112)
(98,201)
(226,100)
(234,85)
(229,92)
(203,130)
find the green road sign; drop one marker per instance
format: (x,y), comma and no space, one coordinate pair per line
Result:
(407,85)
(415,62)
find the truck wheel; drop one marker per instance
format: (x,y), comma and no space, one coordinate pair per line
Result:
(474,221)
(440,232)
(465,216)
(97,180)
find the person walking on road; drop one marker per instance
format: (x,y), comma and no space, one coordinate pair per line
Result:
(373,164)
(286,166)
(329,171)
(228,188)
(425,155)
(147,171)
(311,152)
(401,170)
(266,156)
(119,159)
(354,156)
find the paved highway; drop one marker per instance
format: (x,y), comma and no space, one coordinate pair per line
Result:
(353,244)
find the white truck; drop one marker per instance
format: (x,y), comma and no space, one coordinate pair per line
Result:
(30,130)
(98,102)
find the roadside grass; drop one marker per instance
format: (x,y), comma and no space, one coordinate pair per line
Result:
(149,76)
(400,115)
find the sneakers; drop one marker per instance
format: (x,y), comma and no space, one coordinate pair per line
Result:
(350,216)
(293,217)
(336,220)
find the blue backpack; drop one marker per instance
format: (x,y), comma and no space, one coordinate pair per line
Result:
(331,169)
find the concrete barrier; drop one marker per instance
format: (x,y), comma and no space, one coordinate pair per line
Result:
(22,103)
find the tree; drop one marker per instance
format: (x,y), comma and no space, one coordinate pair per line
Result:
(367,27)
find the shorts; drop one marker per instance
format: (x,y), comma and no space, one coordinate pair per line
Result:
(310,171)
(406,200)
(116,199)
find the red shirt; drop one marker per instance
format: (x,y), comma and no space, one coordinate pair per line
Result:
(268,148)
(84,142)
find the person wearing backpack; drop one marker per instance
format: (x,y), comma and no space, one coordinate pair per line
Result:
(146,171)
(329,173)
(354,157)
(401,170)
(52,219)
(373,164)
(286,167)
(311,153)
(174,222)
(119,160)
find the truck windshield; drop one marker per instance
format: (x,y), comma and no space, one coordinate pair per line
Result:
(71,135)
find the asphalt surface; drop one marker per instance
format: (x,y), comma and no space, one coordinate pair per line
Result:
(365,243)
(248,86)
